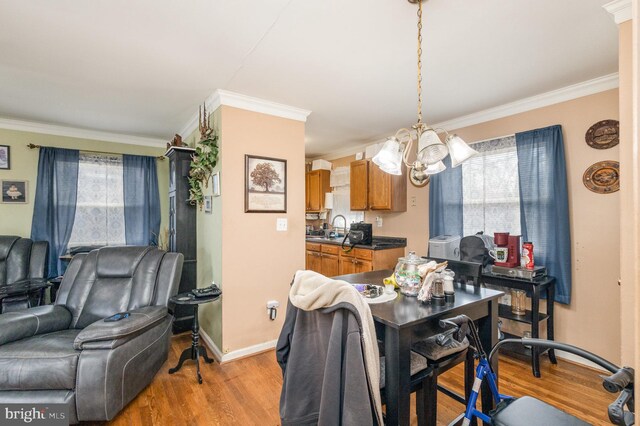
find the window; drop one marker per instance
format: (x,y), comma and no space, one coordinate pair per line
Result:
(490,187)
(99,218)
(342,198)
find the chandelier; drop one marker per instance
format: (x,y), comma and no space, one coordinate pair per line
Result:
(431,149)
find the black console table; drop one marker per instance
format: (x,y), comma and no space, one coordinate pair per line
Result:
(534,289)
(24,289)
(196,350)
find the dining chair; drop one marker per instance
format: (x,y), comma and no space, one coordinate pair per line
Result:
(443,352)
(420,374)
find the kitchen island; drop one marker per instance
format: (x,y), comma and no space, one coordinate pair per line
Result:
(326,255)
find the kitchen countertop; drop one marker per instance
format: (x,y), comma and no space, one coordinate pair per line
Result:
(379,243)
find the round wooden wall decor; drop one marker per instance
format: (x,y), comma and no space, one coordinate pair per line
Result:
(603,177)
(603,135)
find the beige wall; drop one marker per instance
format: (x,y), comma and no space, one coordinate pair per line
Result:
(592,320)
(595,226)
(16,218)
(255,261)
(628,185)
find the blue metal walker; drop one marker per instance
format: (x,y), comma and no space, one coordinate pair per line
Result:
(528,411)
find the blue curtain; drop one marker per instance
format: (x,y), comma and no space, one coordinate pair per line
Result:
(544,203)
(445,202)
(54,208)
(141,200)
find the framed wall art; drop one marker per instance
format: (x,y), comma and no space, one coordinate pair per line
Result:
(14,191)
(265,185)
(216,184)
(5,157)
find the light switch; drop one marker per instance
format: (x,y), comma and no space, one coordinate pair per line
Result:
(281,224)
(413,201)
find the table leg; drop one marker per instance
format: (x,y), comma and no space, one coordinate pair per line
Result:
(195,351)
(398,375)
(535,330)
(551,297)
(488,330)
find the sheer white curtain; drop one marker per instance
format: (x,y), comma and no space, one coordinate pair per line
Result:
(491,193)
(99,216)
(342,197)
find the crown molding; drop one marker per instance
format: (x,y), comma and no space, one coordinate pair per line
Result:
(249,103)
(568,93)
(73,132)
(620,10)
(586,88)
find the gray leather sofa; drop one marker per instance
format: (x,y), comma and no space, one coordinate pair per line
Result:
(21,259)
(67,353)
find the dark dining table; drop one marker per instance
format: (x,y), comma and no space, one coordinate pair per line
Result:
(405,317)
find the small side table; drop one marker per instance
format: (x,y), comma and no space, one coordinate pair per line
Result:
(196,350)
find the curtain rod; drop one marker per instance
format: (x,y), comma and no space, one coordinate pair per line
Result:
(492,139)
(34,146)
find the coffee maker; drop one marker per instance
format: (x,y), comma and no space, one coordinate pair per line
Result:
(512,244)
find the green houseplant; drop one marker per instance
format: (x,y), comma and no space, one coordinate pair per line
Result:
(202,163)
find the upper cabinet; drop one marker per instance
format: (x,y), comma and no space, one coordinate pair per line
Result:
(359,184)
(317,185)
(373,189)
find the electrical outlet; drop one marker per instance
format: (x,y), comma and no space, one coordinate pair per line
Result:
(272,309)
(378,221)
(281,224)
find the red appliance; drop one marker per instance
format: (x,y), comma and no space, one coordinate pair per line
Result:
(513,257)
(501,239)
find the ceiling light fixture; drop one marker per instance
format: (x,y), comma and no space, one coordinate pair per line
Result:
(431,149)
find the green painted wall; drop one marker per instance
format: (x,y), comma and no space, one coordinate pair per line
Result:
(16,218)
(210,245)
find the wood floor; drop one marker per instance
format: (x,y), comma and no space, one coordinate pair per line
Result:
(246,392)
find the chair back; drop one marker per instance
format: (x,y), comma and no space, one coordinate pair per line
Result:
(465,271)
(22,259)
(118,279)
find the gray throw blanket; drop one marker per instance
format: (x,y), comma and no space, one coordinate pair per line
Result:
(311,291)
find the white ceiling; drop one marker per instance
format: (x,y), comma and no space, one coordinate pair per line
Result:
(142,67)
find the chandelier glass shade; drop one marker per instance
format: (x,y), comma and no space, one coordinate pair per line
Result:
(430,148)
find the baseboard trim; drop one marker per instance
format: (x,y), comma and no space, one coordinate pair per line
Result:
(237,354)
(575,359)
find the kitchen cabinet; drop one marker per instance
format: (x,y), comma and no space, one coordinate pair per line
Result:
(317,185)
(373,189)
(314,258)
(359,184)
(330,260)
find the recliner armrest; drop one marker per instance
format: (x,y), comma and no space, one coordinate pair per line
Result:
(107,335)
(29,322)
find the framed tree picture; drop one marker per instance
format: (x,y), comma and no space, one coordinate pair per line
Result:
(265,185)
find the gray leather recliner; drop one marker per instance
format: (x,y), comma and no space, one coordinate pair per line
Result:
(66,353)
(21,259)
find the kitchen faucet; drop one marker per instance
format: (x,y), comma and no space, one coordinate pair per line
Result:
(343,218)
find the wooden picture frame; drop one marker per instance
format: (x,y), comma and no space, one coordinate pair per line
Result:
(5,157)
(15,191)
(265,184)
